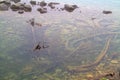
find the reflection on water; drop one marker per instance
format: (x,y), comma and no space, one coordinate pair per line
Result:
(79,48)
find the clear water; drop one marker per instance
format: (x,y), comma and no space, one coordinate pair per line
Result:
(74,40)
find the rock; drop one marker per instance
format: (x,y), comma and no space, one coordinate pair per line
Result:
(7,2)
(52,5)
(2,1)
(3,7)
(43,3)
(16,1)
(33,2)
(75,6)
(27,8)
(107,12)
(21,6)
(21,11)
(17,6)
(70,8)
(42,10)
(62,9)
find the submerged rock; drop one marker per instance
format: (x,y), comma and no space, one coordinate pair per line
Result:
(33,2)
(27,8)
(42,3)
(52,4)
(3,7)
(7,2)
(70,8)
(17,6)
(21,6)
(107,12)
(62,9)
(16,1)
(21,11)
(52,7)
(42,10)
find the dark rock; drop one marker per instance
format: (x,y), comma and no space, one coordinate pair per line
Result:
(52,7)
(21,11)
(52,4)
(75,6)
(70,8)
(62,9)
(3,7)
(33,2)
(2,1)
(27,8)
(16,1)
(17,6)
(42,10)
(7,2)
(43,3)
(21,6)
(107,12)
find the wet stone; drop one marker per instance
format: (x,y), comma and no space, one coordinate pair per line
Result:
(7,2)
(62,9)
(70,8)
(42,3)
(27,8)
(16,6)
(21,11)
(16,1)
(21,6)
(3,7)
(42,10)
(33,2)
(52,5)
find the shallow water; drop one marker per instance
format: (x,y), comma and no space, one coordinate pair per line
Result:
(73,38)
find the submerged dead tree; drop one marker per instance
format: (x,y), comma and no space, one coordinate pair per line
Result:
(38,46)
(92,65)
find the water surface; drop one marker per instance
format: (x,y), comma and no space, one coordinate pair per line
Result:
(73,38)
